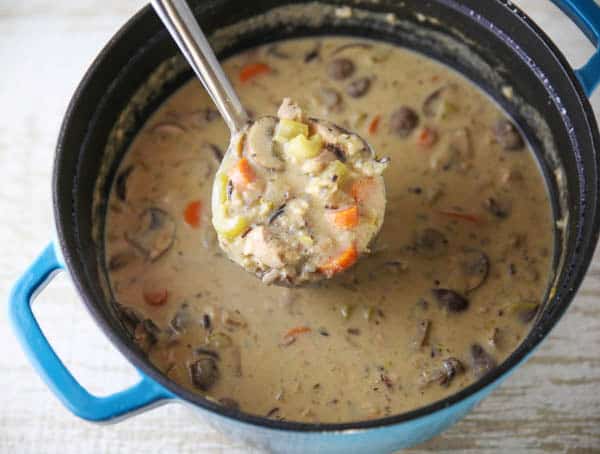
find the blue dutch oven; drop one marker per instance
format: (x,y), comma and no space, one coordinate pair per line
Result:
(492,42)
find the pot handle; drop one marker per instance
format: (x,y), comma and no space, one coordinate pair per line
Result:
(140,396)
(586,14)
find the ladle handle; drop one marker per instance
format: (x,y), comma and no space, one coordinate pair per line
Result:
(179,20)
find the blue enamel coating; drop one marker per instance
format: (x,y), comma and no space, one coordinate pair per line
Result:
(586,14)
(143,394)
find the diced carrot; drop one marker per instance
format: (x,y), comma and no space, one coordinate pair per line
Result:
(343,261)
(296,331)
(426,137)
(242,174)
(346,219)
(192,213)
(461,216)
(156,297)
(374,125)
(251,70)
(362,188)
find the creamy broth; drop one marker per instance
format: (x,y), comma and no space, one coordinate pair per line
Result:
(449,290)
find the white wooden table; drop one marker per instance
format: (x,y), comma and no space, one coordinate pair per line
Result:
(552,404)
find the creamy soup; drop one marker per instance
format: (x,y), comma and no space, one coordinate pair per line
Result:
(297,199)
(449,289)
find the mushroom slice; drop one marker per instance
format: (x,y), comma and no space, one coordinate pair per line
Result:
(475,266)
(260,144)
(441,102)
(154,235)
(470,270)
(431,103)
(450,300)
(481,361)
(431,243)
(455,153)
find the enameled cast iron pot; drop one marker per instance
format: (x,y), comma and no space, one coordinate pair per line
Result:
(491,42)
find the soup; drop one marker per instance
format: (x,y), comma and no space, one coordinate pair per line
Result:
(447,292)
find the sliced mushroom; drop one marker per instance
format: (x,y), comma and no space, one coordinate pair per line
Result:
(204,373)
(470,269)
(154,235)
(456,152)
(431,243)
(340,68)
(182,318)
(432,102)
(499,207)
(121,182)
(451,367)
(507,135)
(146,334)
(481,361)
(359,87)
(450,300)
(444,374)
(260,144)
(403,121)
(442,102)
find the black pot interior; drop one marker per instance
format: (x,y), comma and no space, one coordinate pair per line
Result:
(496,46)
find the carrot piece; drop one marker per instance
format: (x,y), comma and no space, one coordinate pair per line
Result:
(374,125)
(242,174)
(156,297)
(426,137)
(251,70)
(343,261)
(296,331)
(192,212)
(346,219)
(461,216)
(362,188)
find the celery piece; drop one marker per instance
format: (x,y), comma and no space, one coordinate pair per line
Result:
(288,129)
(302,148)
(230,228)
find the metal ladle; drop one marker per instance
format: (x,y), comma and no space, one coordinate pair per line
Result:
(179,20)
(185,31)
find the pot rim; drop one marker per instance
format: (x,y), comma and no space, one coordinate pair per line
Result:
(516,357)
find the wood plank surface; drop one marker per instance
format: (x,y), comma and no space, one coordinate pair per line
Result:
(551,405)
